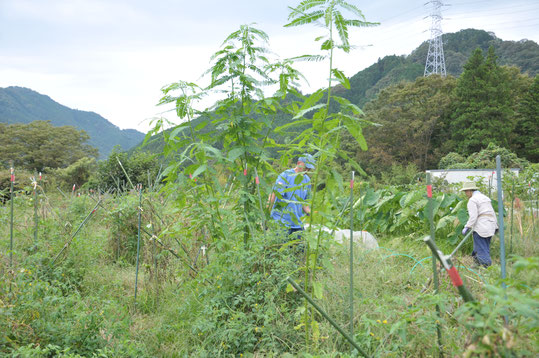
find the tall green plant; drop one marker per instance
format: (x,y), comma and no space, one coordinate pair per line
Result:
(235,144)
(324,134)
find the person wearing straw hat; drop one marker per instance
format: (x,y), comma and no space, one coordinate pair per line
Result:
(291,190)
(482,220)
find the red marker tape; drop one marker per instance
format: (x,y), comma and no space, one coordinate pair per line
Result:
(455,277)
(351,184)
(429,191)
(245,172)
(257,181)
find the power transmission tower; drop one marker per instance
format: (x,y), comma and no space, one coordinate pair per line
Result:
(435,57)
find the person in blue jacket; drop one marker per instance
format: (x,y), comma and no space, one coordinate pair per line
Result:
(289,195)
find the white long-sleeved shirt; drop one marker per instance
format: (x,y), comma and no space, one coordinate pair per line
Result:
(482,216)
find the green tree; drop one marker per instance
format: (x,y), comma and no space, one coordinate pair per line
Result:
(77,173)
(139,167)
(413,119)
(484,159)
(39,145)
(527,127)
(483,109)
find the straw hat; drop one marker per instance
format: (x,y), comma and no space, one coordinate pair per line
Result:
(469,185)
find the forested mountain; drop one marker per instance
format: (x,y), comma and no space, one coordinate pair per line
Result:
(23,105)
(393,70)
(458,47)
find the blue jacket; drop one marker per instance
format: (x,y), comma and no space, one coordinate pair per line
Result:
(291,191)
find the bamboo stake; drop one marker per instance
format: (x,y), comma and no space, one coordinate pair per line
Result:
(127,176)
(512,212)
(257,181)
(76,232)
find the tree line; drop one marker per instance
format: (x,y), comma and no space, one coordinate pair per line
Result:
(423,121)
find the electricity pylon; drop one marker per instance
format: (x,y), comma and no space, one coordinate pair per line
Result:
(435,57)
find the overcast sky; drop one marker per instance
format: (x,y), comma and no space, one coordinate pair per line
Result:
(113,56)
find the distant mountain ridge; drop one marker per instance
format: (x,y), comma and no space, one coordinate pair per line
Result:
(367,83)
(23,105)
(458,47)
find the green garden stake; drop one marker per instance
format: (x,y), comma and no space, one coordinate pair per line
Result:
(326,316)
(500,217)
(36,221)
(12,196)
(138,238)
(352,256)
(430,214)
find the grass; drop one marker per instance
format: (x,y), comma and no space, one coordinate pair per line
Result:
(238,305)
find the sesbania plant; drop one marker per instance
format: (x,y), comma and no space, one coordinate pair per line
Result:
(234,147)
(241,120)
(323,134)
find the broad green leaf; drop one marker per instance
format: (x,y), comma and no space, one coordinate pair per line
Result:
(235,153)
(312,99)
(201,169)
(446,220)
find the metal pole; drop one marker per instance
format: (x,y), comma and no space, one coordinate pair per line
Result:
(352,256)
(138,239)
(462,242)
(430,214)
(325,315)
(36,221)
(12,196)
(500,217)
